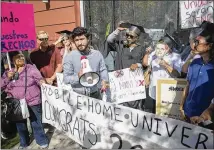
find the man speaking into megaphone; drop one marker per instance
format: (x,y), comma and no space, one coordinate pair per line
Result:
(85,67)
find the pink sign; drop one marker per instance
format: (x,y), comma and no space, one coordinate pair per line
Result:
(18,27)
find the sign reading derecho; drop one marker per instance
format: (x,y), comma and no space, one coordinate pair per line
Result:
(194,12)
(97,124)
(18,28)
(127,85)
(169,94)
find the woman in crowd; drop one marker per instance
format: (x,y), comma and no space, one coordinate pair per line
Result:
(65,43)
(163,63)
(13,83)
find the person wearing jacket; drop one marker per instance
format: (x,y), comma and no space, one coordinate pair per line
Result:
(13,83)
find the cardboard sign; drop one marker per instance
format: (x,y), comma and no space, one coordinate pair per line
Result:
(194,12)
(97,124)
(169,93)
(18,28)
(127,85)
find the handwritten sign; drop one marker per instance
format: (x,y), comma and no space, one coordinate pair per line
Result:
(96,124)
(194,12)
(60,83)
(169,94)
(126,85)
(18,28)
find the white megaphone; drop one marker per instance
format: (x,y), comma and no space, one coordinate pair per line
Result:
(89,78)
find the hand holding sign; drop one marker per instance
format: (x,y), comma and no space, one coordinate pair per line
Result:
(133,67)
(10,74)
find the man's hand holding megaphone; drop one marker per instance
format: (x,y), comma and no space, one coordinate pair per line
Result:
(104,85)
(80,73)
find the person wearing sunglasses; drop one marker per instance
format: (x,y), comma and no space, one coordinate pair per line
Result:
(125,41)
(129,51)
(47,58)
(13,83)
(198,93)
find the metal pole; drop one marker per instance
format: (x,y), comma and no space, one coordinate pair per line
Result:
(8,61)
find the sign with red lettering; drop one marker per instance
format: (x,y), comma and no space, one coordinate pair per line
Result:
(18,28)
(194,12)
(126,85)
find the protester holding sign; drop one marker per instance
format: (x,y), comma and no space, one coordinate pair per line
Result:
(47,58)
(198,94)
(32,96)
(164,64)
(130,52)
(72,69)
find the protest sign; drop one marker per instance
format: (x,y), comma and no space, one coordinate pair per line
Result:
(18,28)
(60,83)
(126,85)
(194,12)
(169,93)
(97,124)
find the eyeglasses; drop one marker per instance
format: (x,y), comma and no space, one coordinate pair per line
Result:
(19,56)
(197,43)
(43,39)
(131,36)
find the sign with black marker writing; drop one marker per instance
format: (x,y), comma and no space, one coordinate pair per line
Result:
(169,93)
(101,125)
(194,12)
(60,83)
(126,85)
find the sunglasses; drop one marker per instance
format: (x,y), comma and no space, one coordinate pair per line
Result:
(43,39)
(131,36)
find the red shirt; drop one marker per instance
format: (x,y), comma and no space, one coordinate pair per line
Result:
(46,61)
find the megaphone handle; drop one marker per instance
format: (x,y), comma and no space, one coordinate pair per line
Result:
(87,91)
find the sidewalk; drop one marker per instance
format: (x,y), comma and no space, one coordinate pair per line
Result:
(57,141)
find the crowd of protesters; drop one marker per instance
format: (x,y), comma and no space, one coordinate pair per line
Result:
(195,63)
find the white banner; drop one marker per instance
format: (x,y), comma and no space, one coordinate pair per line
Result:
(194,12)
(97,124)
(169,93)
(60,83)
(126,85)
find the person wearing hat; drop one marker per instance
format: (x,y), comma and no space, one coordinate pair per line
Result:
(163,63)
(65,43)
(130,52)
(198,93)
(47,58)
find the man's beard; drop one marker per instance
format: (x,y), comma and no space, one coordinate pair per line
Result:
(85,47)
